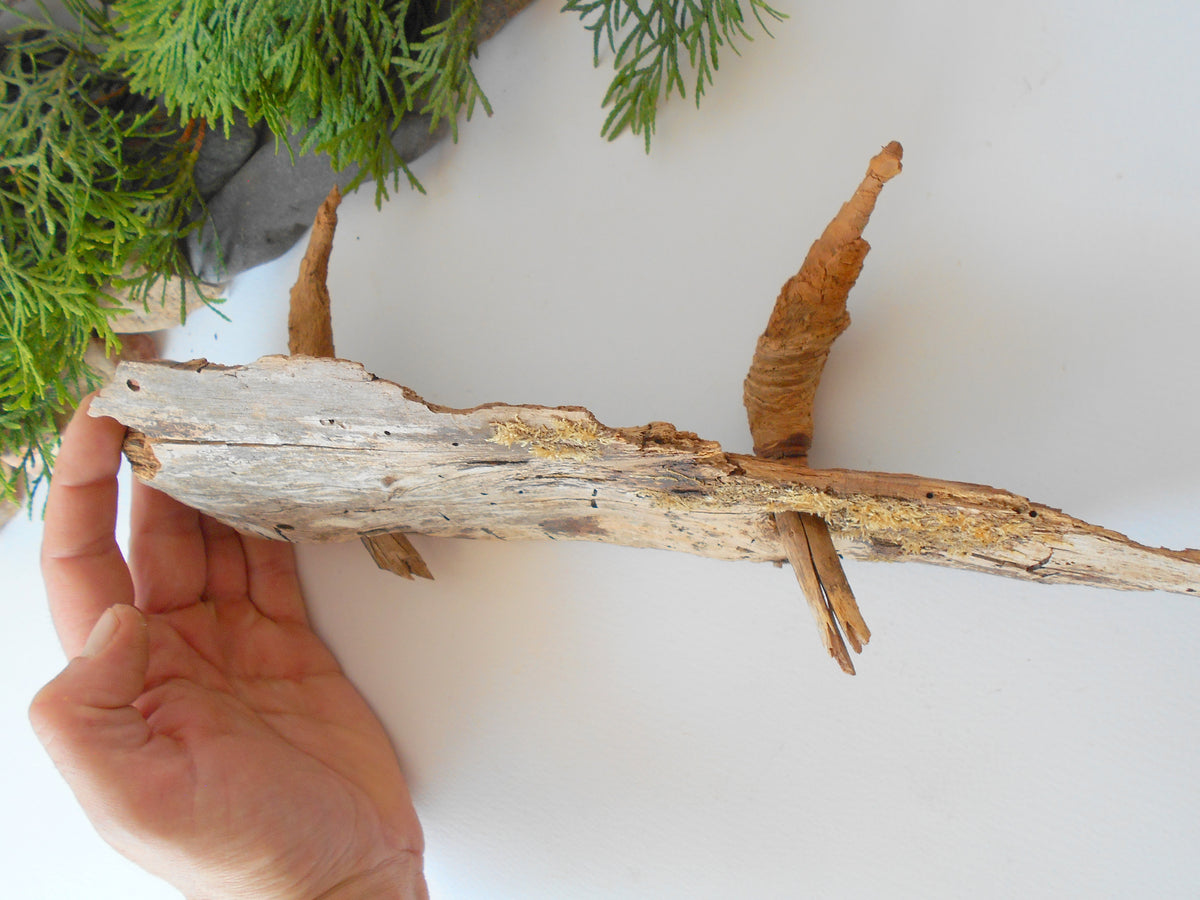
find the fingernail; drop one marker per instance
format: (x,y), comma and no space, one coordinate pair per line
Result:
(102,633)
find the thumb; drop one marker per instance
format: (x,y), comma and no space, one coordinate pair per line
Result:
(85,714)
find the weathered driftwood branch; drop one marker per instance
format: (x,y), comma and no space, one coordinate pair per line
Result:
(313,450)
(310,333)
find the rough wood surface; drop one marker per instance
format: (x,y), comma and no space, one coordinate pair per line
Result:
(809,315)
(312,449)
(833,581)
(795,543)
(310,317)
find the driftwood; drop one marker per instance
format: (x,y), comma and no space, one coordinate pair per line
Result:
(311,448)
(315,450)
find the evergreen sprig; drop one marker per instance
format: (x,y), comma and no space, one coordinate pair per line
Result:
(95,183)
(437,67)
(655,36)
(339,72)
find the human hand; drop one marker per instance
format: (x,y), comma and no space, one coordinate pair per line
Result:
(208,733)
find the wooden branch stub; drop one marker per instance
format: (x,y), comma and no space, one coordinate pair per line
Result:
(394,552)
(310,450)
(834,582)
(809,315)
(310,318)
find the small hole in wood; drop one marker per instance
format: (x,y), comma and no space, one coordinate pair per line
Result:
(388,433)
(929,495)
(133,385)
(1033,514)
(455,444)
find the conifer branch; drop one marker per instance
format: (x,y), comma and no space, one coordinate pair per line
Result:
(657,40)
(94,184)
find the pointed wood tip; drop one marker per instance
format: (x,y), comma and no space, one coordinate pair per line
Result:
(838,652)
(886,164)
(395,553)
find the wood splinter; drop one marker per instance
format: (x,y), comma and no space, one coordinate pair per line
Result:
(793,534)
(310,333)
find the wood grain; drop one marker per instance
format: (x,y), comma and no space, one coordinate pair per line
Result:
(313,449)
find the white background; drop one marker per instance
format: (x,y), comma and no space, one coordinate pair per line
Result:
(582,721)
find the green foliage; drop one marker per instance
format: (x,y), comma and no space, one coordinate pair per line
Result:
(655,35)
(438,67)
(94,182)
(343,72)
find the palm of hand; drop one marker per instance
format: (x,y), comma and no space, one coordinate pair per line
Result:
(210,735)
(251,728)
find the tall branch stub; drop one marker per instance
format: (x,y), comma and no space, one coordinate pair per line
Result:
(809,315)
(310,318)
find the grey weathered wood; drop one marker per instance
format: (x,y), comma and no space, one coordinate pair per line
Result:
(313,449)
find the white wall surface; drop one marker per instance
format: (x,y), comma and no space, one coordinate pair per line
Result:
(581,721)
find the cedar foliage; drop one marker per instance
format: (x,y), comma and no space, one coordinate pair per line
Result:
(94,181)
(336,74)
(655,36)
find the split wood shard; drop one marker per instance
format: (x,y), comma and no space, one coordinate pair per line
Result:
(316,449)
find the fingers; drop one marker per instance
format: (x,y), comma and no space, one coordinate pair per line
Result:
(166,552)
(274,585)
(82,565)
(226,576)
(85,717)
(243,568)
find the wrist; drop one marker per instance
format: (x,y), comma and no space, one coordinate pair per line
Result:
(400,878)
